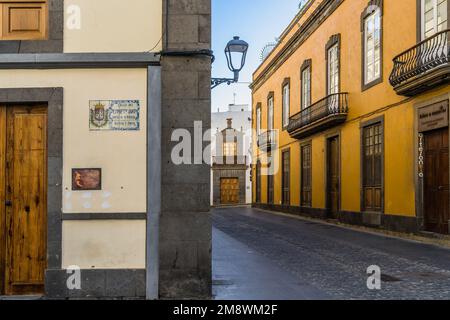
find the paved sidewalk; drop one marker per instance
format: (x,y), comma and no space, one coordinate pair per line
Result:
(240,273)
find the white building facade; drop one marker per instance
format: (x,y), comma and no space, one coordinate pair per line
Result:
(236,122)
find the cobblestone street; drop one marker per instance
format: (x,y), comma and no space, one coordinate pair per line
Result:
(259,255)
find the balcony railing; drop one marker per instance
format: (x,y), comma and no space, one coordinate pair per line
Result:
(423,66)
(229,160)
(328,112)
(267,140)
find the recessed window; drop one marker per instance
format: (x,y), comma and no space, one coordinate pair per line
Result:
(258,121)
(306,88)
(333,69)
(286,178)
(258,182)
(270,184)
(434,17)
(270,114)
(230,149)
(23,20)
(372,148)
(286,104)
(372,47)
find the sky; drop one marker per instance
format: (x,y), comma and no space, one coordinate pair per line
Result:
(258,22)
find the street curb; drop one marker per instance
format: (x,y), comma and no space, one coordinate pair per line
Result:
(441,241)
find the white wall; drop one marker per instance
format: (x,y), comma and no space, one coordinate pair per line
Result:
(240,120)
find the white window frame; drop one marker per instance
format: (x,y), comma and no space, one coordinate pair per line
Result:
(258,121)
(286,104)
(270,114)
(333,69)
(376,74)
(435,17)
(306,88)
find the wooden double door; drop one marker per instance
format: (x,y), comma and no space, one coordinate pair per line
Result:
(23,199)
(436,181)
(229,191)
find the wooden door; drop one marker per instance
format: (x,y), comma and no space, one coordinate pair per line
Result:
(286,178)
(24,199)
(229,190)
(306,175)
(333,177)
(436,181)
(373,168)
(258,182)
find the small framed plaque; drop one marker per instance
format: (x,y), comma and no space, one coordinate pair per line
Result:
(87,179)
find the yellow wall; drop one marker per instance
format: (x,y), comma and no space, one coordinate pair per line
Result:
(114,26)
(399,34)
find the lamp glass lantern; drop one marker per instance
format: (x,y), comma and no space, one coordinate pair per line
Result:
(236,53)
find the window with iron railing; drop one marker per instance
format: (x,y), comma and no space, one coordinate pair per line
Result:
(306,88)
(286,105)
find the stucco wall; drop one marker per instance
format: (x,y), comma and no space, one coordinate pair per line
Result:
(364,105)
(104,244)
(120,154)
(114,26)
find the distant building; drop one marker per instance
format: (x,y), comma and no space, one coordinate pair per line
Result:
(231,156)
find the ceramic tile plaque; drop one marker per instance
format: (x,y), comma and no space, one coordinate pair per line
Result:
(114,115)
(86,179)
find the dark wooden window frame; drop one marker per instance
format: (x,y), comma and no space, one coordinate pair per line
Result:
(302,202)
(327,157)
(334,40)
(378,120)
(283,202)
(306,64)
(258,182)
(270,183)
(286,82)
(371,7)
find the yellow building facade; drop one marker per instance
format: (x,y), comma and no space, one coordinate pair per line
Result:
(352,107)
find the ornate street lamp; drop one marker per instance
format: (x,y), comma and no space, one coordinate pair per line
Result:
(236,53)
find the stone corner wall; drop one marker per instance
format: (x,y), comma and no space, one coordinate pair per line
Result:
(185,225)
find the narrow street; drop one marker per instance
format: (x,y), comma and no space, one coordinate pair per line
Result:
(259,255)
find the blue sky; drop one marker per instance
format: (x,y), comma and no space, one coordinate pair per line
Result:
(256,21)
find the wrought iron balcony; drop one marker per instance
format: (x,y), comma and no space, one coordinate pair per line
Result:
(267,140)
(422,67)
(229,160)
(326,113)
